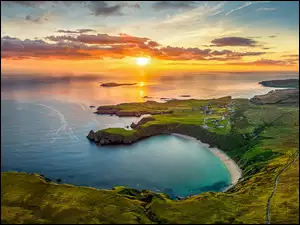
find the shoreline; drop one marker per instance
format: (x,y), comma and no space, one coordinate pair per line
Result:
(233,168)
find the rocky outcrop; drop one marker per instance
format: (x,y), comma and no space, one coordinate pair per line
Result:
(91,135)
(107,110)
(104,138)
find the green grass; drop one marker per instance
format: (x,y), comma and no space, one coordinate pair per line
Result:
(34,200)
(120,131)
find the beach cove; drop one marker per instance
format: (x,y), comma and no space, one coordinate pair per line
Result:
(233,168)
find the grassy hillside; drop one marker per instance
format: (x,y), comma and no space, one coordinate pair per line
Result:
(272,138)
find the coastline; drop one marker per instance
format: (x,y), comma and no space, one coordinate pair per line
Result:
(234,169)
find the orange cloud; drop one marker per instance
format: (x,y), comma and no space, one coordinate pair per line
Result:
(102,46)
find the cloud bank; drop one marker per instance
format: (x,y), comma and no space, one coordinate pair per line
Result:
(101,46)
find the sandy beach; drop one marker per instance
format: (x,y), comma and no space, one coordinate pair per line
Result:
(235,171)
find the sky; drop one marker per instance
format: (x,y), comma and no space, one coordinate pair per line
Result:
(107,36)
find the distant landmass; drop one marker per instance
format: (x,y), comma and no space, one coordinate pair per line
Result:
(111,84)
(288,83)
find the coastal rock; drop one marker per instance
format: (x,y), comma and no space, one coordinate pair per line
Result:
(91,135)
(133,125)
(96,138)
(107,110)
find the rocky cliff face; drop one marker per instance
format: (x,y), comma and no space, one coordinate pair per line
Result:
(104,138)
(224,142)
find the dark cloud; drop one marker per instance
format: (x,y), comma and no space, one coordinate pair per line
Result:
(78,31)
(38,3)
(290,56)
(153,44)
(107,39)
(97,8)
(15,48)
(272,36)
(25,3)
(254,37)
(103,8)
(100,39)
(61,38)
(107,8)
(38,20)
(233,41)
(136,5)
(102,46)
(162,5)
(9,38)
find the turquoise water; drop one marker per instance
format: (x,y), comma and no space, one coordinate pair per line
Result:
(44,126)
(49,138)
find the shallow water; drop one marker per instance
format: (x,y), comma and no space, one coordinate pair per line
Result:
(44,128)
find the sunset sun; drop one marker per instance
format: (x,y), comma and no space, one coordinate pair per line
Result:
(142,61)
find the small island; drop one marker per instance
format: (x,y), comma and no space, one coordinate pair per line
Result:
(287,83)
(184,96)
(111,84)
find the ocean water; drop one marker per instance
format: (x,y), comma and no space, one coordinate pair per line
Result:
(44,124)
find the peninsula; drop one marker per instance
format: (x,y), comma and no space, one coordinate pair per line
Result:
(287,83)
(261,138)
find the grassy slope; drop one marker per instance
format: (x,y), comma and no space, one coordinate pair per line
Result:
(24,198)
(28,199)
(286,199)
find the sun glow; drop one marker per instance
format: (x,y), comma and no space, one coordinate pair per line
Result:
(142,61)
